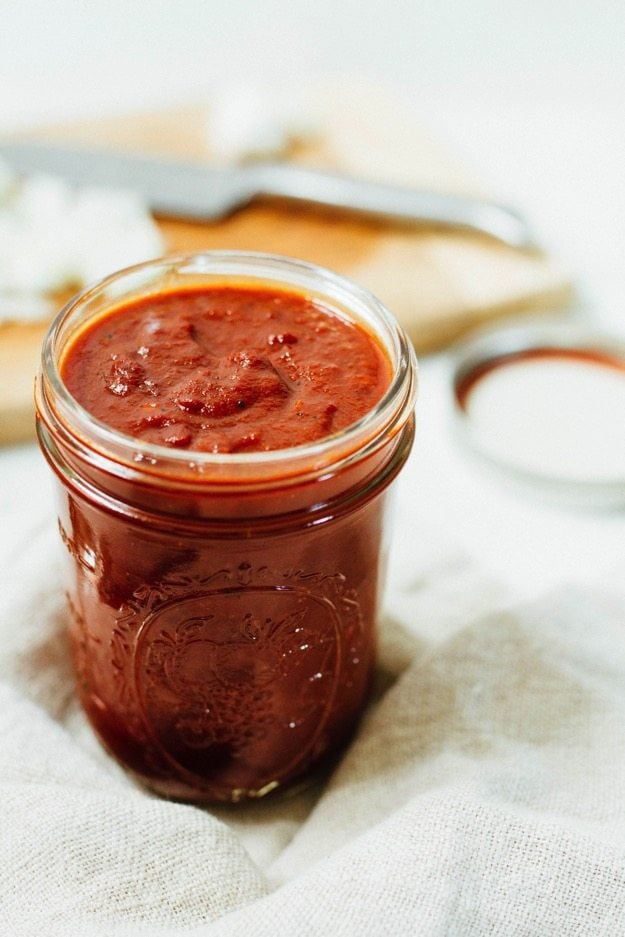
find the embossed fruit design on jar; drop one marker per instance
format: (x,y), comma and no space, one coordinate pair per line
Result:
(224,428)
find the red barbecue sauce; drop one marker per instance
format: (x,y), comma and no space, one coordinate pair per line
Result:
(226,369)
(224,639)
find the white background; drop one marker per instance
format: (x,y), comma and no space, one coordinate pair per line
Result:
(530,95)
(90,49)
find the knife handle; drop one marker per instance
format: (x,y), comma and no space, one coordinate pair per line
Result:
(397,203)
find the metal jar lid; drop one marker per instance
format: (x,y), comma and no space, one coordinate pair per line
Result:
(545,403)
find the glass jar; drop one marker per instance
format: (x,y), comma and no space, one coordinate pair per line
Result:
(223,606)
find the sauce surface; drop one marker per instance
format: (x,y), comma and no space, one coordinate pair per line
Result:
(226,369)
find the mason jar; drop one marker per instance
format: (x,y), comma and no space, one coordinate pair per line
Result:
(223,606)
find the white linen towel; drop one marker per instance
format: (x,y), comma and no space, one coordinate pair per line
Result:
(483,795)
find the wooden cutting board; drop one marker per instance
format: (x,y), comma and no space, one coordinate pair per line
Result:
(438,283)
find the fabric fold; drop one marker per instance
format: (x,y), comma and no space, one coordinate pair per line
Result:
(483,793)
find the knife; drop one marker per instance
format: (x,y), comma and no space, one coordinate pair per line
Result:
(201,192)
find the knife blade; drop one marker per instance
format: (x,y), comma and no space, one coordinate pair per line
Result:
(200,192)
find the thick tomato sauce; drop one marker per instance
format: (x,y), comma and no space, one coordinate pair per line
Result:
(226,369)
(224,644)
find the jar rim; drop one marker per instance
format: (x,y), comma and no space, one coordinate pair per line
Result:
(387,416)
